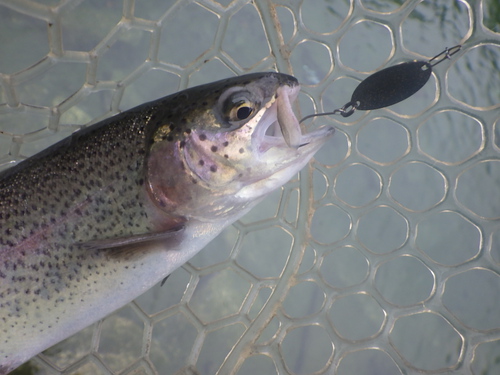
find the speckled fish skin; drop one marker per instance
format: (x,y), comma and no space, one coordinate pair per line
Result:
(97,219)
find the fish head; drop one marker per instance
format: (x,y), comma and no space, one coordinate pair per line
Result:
(218,148)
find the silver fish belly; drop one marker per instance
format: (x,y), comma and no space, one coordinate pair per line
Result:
(92,222)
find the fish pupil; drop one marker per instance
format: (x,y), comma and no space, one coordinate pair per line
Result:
(243,113)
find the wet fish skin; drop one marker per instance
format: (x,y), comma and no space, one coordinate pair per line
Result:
(97,219)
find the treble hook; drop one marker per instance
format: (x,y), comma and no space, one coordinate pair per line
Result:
(390,85)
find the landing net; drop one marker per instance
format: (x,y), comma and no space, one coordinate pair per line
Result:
(381,257)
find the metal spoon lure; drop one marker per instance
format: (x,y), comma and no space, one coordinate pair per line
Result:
(390,85)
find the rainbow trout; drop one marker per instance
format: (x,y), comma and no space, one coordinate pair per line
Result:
(97,219)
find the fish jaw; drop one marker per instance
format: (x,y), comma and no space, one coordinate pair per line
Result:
(280,146)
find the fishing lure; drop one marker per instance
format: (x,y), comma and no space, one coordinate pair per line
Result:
(390,85)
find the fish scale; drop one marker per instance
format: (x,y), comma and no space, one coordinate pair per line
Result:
(97,219)
(47,208)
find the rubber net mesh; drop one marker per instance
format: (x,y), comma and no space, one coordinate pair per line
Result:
(381,257)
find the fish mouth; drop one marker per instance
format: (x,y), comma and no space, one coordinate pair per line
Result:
(279,126)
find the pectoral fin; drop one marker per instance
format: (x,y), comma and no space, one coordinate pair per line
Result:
(132,245)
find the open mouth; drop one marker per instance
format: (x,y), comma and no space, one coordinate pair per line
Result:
(279,126)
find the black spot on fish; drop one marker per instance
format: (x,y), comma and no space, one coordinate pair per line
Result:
(201,162)
(202,137)
(225,144)
(213,148)
(187,131)
(213,168)
(241,150)
(182,144)
(226,156)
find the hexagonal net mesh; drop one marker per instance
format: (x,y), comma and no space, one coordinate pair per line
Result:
(381,257)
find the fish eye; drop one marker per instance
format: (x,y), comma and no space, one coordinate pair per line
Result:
(241,111)
(239,106)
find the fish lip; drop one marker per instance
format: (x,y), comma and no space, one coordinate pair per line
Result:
(273,124)
(288,123)
(279,127)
